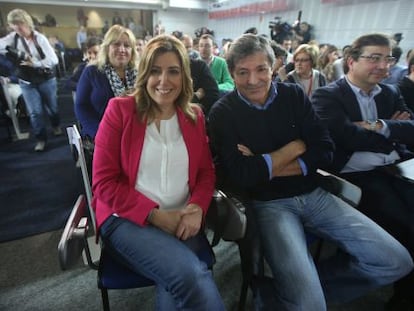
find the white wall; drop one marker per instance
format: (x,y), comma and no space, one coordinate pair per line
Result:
(336,24)
(185,21)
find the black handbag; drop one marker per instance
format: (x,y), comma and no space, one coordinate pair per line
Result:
(226,216)
(31,74)
(34,75)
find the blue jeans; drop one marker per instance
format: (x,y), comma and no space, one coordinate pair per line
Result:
(368,257)
(38,97)
(183,281)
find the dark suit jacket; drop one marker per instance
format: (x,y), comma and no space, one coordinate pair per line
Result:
(406,87)
(338,107)
(202,78)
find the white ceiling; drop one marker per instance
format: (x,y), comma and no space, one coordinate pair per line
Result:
(198,5)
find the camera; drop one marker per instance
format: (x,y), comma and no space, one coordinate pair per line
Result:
(202,31)
(15,55)
(280,30)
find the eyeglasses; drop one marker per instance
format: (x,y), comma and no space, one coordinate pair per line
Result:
(303,60)
(376,59)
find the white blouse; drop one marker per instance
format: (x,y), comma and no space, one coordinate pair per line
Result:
(163,169)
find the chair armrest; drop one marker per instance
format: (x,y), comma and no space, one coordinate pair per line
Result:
(226,217)
(341,188)
(72,241)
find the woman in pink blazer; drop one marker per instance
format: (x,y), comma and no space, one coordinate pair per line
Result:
(153,179)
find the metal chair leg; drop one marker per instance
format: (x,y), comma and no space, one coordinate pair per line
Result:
(105,299)
(243,295)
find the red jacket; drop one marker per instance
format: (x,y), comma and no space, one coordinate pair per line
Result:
(118,146)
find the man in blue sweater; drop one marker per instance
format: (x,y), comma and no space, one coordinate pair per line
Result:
(268,143)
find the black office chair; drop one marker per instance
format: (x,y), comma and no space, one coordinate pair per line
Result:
(81,226)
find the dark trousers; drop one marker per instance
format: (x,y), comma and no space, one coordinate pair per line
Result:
(389,201)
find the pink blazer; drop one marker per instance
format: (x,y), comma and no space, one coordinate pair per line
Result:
(118,146)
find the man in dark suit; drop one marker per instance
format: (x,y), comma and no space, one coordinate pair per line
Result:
(205,87)
(370,125)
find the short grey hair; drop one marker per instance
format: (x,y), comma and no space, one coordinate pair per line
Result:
(246,45)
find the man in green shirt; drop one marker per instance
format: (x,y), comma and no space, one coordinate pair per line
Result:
(217,65)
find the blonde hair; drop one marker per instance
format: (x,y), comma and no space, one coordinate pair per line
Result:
(157,46)
(310,50)
(113,34)
(20,16)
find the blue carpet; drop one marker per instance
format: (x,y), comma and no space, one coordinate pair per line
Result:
(37,190)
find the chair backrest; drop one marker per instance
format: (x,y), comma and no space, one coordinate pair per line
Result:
(72,241)
(75,141)
(15,121)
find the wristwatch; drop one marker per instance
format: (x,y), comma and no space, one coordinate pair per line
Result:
(372,124)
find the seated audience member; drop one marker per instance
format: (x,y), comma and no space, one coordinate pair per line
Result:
(305,59)
(396,71)
(287,45)
(113,73)
(279,69)
(195,43)
(295,45)
(188,43)
(140,44)
(225,44)
(321,46)
(408,56)
(338,64)
(326,62)
(153,179)
(56,44)
(59,48)
(205,89)
(92,46)
(216,49)
(406,85)
(217,65)
(269,143)
(370,125)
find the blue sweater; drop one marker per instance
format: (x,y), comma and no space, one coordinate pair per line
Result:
(92,95)
(7,69)
(289,117)
(72,82)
